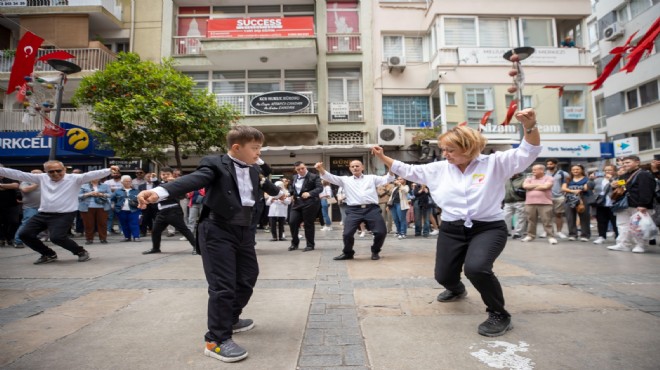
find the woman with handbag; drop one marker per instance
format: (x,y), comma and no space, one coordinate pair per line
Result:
(603,203)
(576,187)
(94,206)
(126,208)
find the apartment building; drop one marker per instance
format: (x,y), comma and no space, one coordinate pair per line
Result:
(627,106)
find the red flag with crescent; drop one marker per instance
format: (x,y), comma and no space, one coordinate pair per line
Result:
(645,44)
(609,68)
(486,116)
(60,54)
(26,54)
(509,112)
(51,129)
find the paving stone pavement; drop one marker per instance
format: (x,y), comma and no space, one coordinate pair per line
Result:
(574,305)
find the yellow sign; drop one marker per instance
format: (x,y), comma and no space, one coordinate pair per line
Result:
(77,138)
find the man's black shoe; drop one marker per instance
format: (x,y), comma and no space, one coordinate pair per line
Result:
(151,251)
(307,249)
(342,257)
(273,239)
(375,256)
(449,296)
(497,324)
(293,247)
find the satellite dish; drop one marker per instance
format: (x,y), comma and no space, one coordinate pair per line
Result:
(64,66)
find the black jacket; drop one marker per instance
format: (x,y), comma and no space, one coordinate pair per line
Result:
(641,190)
(311,185)
(217,175)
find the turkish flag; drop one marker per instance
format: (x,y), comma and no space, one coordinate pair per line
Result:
(26,54)
(509,113)
(486,116)
(60,54)
(51,129)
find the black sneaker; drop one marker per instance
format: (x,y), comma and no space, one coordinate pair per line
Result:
(449,296)
(227,351)
(45,259)
(497,324)
(242,325)
(83,256)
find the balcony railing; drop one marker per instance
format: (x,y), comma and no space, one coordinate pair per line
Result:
(87,59)
(112,6)
(344,43)
(242,103)
(185,45)
(13,120)
(355,112)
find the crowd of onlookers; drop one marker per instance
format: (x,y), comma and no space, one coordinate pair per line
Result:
(547,202)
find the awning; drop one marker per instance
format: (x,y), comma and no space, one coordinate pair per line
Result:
(302,149)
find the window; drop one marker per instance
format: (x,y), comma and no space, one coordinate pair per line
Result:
(301,80)
(228,82)
(460,31)
(656,134)
(622,14)
(527,100)
(648,93)
(637,7)
(601,118)
(201,78)
(450,98)
(411,48)
(631,99)
(537,32)
(343,17)
(644,139)
(344,86)
(493,32)
(406,110)
(480,99)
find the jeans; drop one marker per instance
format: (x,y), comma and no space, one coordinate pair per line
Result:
(422,221)
(130,223)
(324,211)
(399,218)
(27,214)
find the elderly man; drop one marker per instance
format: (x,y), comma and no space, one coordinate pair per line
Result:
(362,200)
(538,202)
(59,203)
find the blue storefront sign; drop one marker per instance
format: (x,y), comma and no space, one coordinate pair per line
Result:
(607,150)
(77,141)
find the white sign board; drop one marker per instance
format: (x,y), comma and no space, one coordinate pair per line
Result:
(570,149)
(339,111)
(574,112)
(541,57)
(627,146)
(13,3)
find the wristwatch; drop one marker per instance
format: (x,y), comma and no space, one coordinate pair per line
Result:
(529,130)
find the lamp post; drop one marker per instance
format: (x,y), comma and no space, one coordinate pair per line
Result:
(65,68)
(516,56)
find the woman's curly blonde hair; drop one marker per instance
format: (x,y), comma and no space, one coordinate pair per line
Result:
(466,139)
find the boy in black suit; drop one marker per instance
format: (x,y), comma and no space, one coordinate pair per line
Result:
(305,188)
(225,233)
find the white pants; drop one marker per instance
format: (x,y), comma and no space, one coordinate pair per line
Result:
(517,208)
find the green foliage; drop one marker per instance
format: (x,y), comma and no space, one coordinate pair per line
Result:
(144,107)
(427,133)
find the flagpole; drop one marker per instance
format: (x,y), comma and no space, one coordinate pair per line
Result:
(58,113)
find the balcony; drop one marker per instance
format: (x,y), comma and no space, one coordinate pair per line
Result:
(305,120)
(187,45)
(13,120)
(28,6)
(344,43)
(89,59)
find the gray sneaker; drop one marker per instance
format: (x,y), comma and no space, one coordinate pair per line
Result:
(242,325)
(83,256)
(227,351)
(45,259)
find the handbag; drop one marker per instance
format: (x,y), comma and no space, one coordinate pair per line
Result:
(580,208)
(621,204)
(331,200)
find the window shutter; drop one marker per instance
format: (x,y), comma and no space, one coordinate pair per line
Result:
(493,33)
(460,32)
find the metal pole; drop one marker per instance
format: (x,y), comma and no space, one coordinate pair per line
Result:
(58,112)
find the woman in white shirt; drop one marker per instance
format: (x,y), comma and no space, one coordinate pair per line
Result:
(469,188)
(277,211)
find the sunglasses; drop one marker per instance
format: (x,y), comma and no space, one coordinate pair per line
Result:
(55,171)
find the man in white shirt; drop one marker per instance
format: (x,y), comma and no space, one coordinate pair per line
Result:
(59,203)
(362,200)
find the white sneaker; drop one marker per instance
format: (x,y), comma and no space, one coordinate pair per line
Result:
(610,234)
(341,223)
(584,239)
(434,232)
(543,235)
(362,234)
(572,238)
(618,247)
(183,238)
(561,235)
(600,240)
(552,241)
(638,249)
(527,239)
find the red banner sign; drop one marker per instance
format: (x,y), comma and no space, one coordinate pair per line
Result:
(260,27)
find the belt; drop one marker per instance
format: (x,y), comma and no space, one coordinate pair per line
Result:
(241,218)
(364,205)
(455,223)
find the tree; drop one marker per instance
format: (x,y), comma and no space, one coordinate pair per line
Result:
(144,107)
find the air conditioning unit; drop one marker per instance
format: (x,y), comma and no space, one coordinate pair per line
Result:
(396,62)
(391,135)
(613,31)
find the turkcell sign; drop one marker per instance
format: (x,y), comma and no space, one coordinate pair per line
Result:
(27,144)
